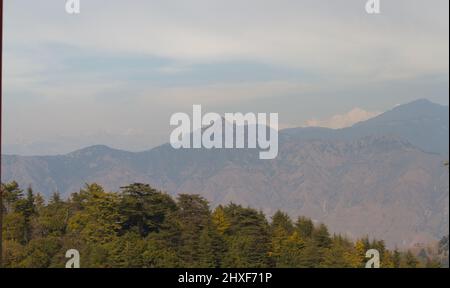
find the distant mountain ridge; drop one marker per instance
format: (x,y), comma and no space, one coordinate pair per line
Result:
(383,177)
(422,123)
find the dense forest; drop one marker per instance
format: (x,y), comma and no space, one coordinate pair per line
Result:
(142,227)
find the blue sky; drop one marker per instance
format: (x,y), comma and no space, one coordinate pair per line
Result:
(116,72)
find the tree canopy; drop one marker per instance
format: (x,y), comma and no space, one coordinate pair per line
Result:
(140,226)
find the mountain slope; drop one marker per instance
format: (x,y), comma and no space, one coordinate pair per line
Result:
(365,180)
(422,123)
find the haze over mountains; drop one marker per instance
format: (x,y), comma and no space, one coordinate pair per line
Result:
(384,177)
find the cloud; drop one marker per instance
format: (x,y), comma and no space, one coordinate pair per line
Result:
(329,38)
(122,64)
(342,120)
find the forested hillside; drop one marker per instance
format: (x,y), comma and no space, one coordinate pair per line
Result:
(142,227)
(376,178)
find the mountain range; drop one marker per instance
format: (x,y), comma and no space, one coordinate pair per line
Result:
(384,177)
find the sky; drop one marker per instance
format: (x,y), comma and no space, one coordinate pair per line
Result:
(116,72)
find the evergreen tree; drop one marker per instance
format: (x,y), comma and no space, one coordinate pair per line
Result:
(143,227)
(100,220)
(248,238)
(196,225)
(292,252)
(144,208)
(396,258)
(305,227)
(321,237)
(220,220)
(410,261)
(126,251)
(11,194)
(26,207)
(281,228)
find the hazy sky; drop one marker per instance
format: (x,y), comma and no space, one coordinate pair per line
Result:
(116,72)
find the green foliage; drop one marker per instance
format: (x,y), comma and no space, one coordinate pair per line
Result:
(409,261)
(145,209)
(304,227)
(248,238)
(143,227)
(100,217)
(197,233)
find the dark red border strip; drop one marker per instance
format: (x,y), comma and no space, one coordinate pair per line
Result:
(1,116)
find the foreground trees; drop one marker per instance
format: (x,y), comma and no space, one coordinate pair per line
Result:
(142,227)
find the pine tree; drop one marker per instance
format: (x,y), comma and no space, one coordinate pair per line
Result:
(305,227)
(27,208)
(396,258)
(220,220)
(387,260)
(281,228)
(100,220)
(14,227)
(248,238)
(126,251)
(321,236)
(291,252)
(158,254)
(410,261)
(196,225)
(50,220)
(11,194)
(360,250)
(283,222)
(143,227)
(144,208)
(212,248)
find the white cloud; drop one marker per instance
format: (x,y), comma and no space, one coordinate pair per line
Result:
(55,83)
(339,39)
(342,120)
